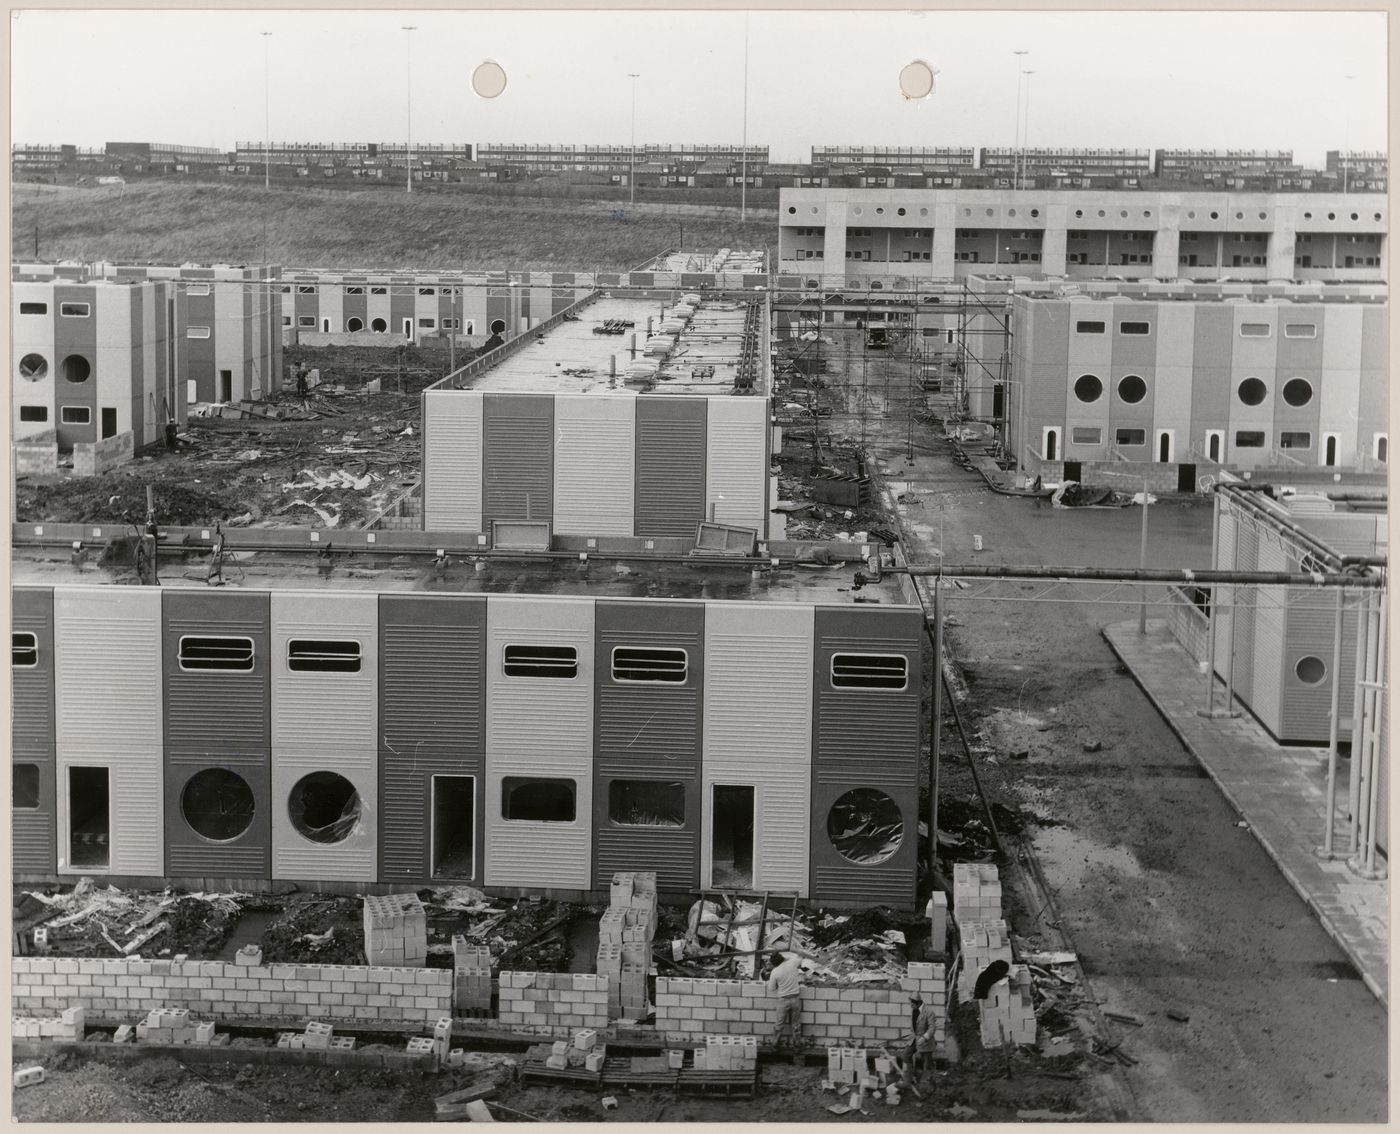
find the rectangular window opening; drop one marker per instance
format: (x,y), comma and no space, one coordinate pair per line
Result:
(646,803)
(25,787)
(75,310)
(34,413)
(1300,330)
(1294,440)
(320,655)
(1249,439)
(197,289)
(75,415)
(638,663)
(731,837)
(454,827)
(24,649)
(541,661)
(525,799)
(306,289)
(1254,330)
(218,653)
(306,321)
(33,308)
(379,291)
(1089,327)
(1135,328)
(89,818)
(1082,436)
(869,671)
(196,332)
(1130,437)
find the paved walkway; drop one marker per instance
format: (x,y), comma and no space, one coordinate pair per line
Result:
(1280,791)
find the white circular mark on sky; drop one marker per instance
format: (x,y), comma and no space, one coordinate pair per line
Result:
(916,80)
(489,79)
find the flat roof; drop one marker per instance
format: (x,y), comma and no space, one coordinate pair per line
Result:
(597,578)
(571,358)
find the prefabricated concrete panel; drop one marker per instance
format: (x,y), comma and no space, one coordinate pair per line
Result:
(671,462)
(234,307)
(1173,338)
(736,462)
(1253,357)
(865,738)
(452,457)
(75,336)
(1341,409)
(198,355)
(648,730)
(757,730)
(325,722)
(111,363)
(1310,626)
(33,334)
(1270,628)
(107,701)
(1134,355)
(594,463)
(539,727)
(1300,357)
(517,457)
(432,722)
(32,832)
(1212,394)
(1375,373)
(355,305)
(1243,636)
(217,719)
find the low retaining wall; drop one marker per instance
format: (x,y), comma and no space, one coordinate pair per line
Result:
(231,991)
(558,1001)
(1188,624)
(93,457)
(35,457)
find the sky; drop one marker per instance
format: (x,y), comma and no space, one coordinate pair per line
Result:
(1305,81)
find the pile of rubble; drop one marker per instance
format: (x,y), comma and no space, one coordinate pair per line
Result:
(88,921)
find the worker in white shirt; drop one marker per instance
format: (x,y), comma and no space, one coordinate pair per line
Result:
(785,984)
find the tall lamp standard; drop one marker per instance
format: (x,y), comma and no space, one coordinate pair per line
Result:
(1026,125)
(267,117)
(1016,145)
(744,145)
(410,28)
(632,164)
(1346,142)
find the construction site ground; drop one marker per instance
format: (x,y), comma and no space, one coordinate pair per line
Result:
(308,466)
(1151,878)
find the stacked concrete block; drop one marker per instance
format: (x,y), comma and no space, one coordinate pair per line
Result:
(396,930)
(231,990)
(981,943)
(1009,1010)
(471,977)
(68,1026)
(937,913)
(317,1036)
(554,1002)
(28,1076)
(846,1066)
(632,990)
(730,1053)
(248,956)
(976,892)
(174,1025)
(625,934)
(420,1045)
(442,1037)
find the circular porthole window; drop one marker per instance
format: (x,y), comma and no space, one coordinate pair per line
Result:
(1102,213)
(1331,216)
(900,212)
(815,210)
(1263,216)
(1297,391)
(498,326)
(1088,388)
(1307,216)
(1036,213)
(1132,389)
(1252,391)
(1311,670)
(76,368)
(1214,216)
(879,212)
(865,826)
(1239,216)
(1079,212)
(353,324)
(1011,212)
(991,212)
(1192,214)
(792,208)
(924,213)
(217,804)
(1147,212)
(1123,213)
(32,367)
(379,326)
(1355,217)
(324,807)
(857,210)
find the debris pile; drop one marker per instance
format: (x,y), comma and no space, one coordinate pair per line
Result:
(108,922)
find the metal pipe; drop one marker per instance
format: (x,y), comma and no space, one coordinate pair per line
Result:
(1279,518)
(1333,729)
(1144,575)
(935,737)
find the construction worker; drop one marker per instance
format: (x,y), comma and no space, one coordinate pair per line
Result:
(785,983)
(918,1057)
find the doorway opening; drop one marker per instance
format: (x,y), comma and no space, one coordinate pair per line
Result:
(1186,478)
(1052,444)
(225,385)
(731,837)
(1215,441)
(109,421)
(1329,456)
(89,818)
(454,826)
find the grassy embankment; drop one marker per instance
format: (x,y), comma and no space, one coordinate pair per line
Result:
(308,227)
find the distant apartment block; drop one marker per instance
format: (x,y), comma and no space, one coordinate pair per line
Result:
(897,157)
(530,156)
(1035,161)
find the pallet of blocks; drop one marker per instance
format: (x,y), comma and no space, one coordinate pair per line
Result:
(976,892)
(471,978)
(625,933)
(726,1065)
(578,1062)
(1008,1012)
(396,930)
(639,1071)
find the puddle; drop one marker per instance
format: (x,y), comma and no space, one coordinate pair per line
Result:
(1067,857)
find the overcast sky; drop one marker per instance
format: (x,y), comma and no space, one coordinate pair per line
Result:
(1257,80)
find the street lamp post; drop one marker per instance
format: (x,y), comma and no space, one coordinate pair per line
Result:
(267,116)
(1016,145)
(1026,126)
(632,164)
(744,147)
(410,28)
(1346,139)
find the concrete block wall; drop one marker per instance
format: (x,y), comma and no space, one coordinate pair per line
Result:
(93,457)
(396,929)
(560,1002)
(976,891)
(225,990)
(36,458)
(1009,1010)
(830,1013)
(1121,476)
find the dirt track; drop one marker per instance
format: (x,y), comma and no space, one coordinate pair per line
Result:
(1168,902)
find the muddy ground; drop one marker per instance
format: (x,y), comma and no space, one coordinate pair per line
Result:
(1170,905)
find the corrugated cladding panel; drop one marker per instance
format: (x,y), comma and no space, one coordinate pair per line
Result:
(217,718)
(1225,528)
(1305,710)
(670,465)
(736,462)
(432,721)
(594,455)
(452,455)
(758,730)
(32,834)
(539,727)
(518,462)
(107,702)
(1246,559)
(1270,629)
(325,722)
(650,731)
(865,738)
